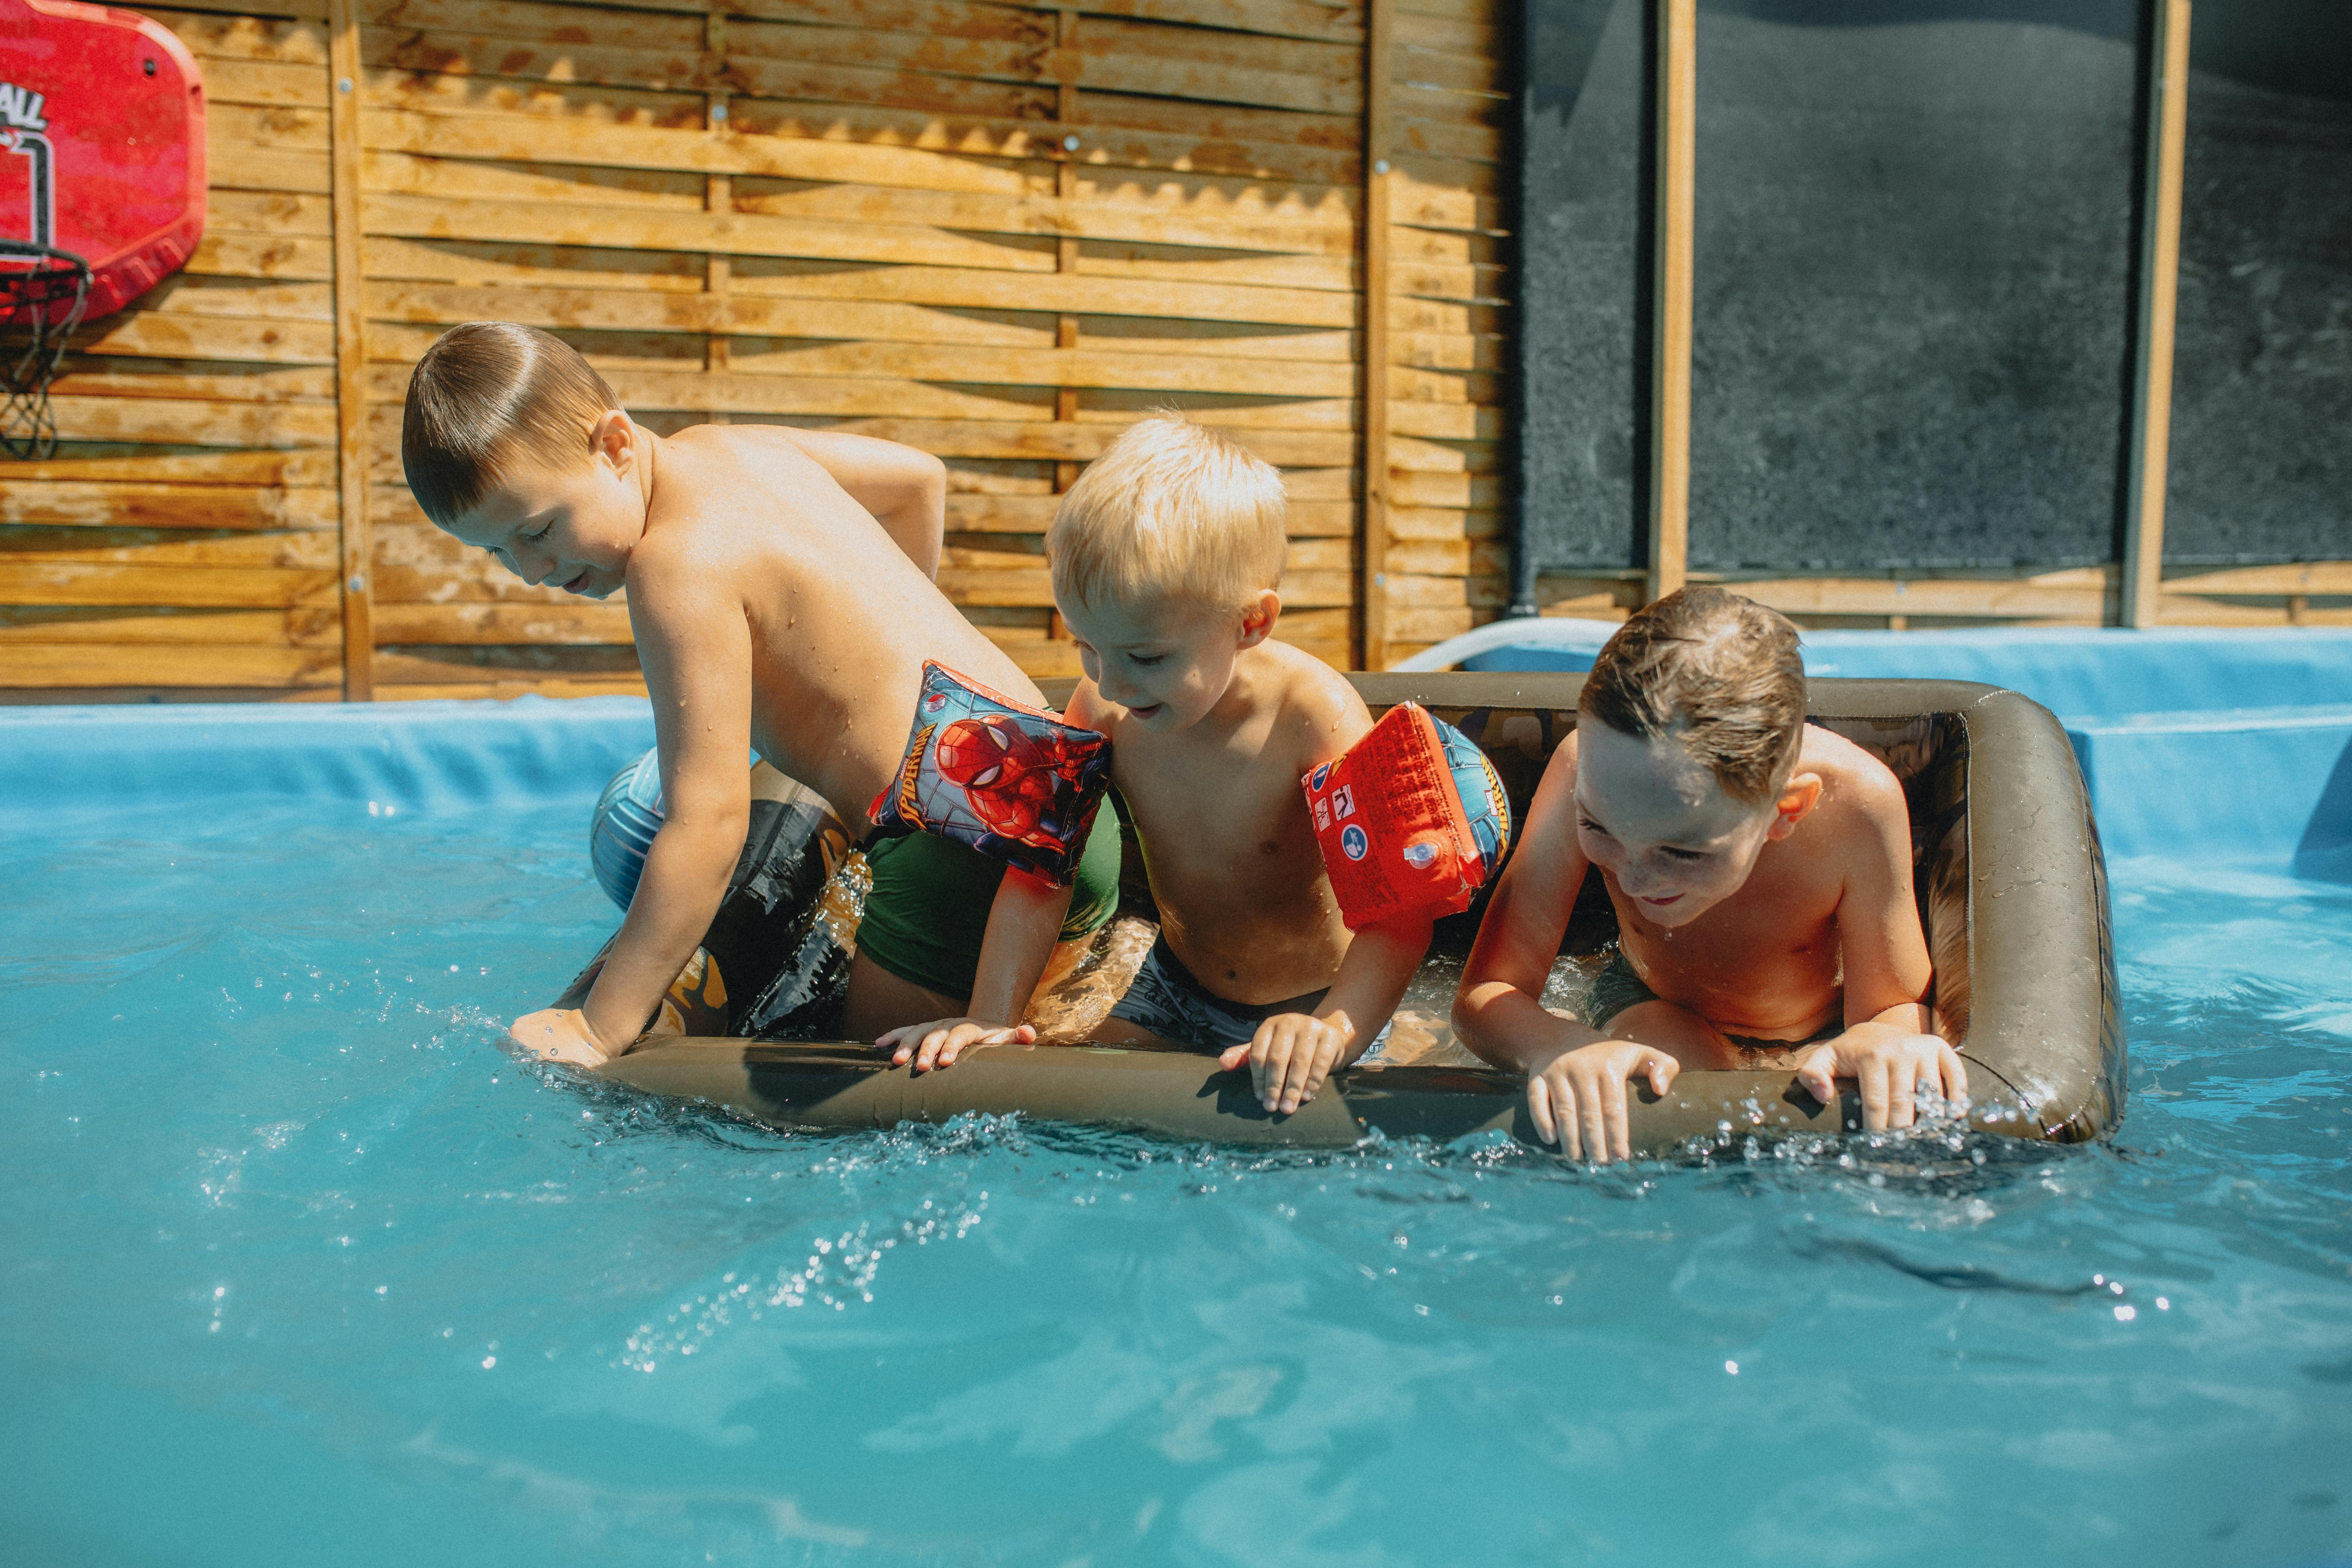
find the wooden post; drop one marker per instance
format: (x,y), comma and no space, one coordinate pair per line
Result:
(351,350)
(1372,591)
(2160,274)
(1677,210)
(718,196)
(1066,249)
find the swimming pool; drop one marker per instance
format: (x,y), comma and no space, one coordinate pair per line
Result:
(305,1268)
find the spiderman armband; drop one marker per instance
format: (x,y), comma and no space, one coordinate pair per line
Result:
(1411,820)
(1012,781)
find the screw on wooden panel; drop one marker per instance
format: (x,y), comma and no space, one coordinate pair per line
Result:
(342,84)
(1069,143)
(356,582)
(1380,167)
(718,111)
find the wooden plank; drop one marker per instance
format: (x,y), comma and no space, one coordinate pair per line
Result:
(21,545)
(171,625)
(1677,217)
(542,180)
(1998,598)
(2159,271)
(408,665)
(576,144)
(183,294)
(2310,577)
(149,504)
(1338,24)
(506,690)
(256,255)
(1372,595)
(418,217)
(214,36)
(195,422)
(1031,586)
(139,467)
(1072,293)
(170,335)
(127,377)
(355,555)
(574,623)
(78,583)
(81,664)
(230,127)
(1229,225)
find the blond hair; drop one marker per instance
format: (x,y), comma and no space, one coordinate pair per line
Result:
(1170,511)
(486,395)
(1721,673)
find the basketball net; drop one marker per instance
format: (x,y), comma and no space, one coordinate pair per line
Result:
(42,292)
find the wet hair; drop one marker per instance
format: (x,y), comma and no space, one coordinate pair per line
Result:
(486,395)
(1170,511)
(1720,673)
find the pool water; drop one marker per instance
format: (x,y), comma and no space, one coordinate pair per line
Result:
(304,1268)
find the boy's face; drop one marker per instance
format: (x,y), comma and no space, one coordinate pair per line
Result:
(1657,820)
(1167,663)
(573,527)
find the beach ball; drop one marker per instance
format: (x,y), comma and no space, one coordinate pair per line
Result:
(628,815)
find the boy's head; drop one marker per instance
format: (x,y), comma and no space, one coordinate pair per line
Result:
(1166,557)
(513,442)
(1689,730)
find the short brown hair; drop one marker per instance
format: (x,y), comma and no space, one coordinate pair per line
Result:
(1171,509)
(486,393)
(1718,672)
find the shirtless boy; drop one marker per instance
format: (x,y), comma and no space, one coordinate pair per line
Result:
(1761,873)
(1166,556)
(780,592)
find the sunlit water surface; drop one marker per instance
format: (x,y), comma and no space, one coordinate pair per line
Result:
(302,1268)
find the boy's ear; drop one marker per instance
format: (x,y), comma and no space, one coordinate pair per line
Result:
(1798,798)
(613,437)
(1258,617)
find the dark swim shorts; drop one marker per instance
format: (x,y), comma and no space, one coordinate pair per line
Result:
(1617,987)
(1167,1000)
(928,911)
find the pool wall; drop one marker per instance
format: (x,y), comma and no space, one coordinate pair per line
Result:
(2197,745)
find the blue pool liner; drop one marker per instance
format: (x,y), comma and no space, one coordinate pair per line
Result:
(2197,746)
(410,756)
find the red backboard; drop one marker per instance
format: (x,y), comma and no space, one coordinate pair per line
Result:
(101,143)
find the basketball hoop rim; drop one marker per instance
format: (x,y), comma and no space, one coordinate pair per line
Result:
(55,258)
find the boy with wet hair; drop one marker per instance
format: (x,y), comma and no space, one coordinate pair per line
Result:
(780,592)
(1166,558)
(1761,868)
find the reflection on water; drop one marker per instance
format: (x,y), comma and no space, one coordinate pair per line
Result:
(307,1268)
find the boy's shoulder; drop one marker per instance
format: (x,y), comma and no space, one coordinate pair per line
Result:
(1314,705)
(1853,781)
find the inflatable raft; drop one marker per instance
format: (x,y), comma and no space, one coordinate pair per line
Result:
(2012,892)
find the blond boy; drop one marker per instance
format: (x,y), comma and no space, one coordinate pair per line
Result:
(780,592)
(1761,868)
(1166,557)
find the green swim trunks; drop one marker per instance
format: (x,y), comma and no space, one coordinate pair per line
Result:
(928,907)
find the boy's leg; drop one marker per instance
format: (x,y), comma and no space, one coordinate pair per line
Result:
(927,914)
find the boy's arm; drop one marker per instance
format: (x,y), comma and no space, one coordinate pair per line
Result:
(696,648)
(1498,1009)
(906,490)
(1887,1047)
(1024,924)
(1292,1053)
(1576,1075)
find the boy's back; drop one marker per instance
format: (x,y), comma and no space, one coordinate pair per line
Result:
(744,525)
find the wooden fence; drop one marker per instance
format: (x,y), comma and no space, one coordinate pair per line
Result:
(998,232)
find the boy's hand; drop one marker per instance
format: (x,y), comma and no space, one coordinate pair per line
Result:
(1889,1066)
(1577,1098)
(560,1035)
(1289,1057)
(929,1045)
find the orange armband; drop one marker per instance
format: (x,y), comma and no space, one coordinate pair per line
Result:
(1412,818)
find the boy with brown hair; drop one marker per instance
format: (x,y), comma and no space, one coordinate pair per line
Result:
(780,592)
(1761,868)
(1166,557)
